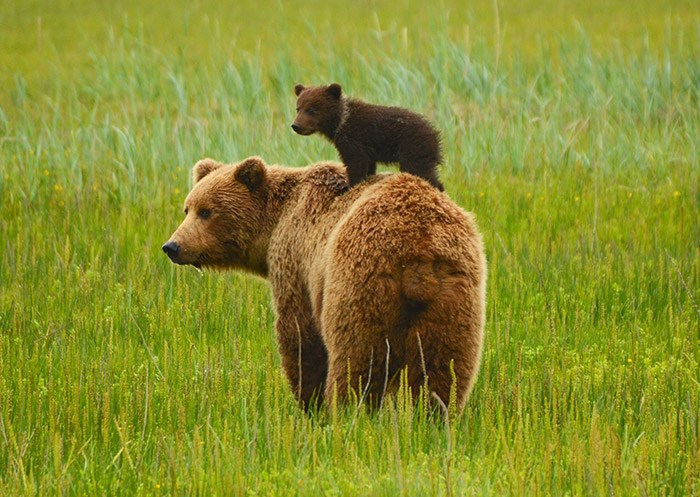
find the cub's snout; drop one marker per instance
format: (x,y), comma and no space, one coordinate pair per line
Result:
(301,130)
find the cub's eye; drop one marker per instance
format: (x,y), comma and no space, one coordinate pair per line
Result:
(204,213)
(186,210)
(311,111)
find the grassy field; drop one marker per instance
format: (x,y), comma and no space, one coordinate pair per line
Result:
(572,132)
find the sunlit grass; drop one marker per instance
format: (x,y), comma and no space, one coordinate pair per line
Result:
(576,148)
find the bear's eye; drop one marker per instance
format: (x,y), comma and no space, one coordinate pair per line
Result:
(187,210)
(311,111)
(204,213)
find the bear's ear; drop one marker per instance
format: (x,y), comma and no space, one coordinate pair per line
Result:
(298,89)
(204,167)
(334,90)
(251,172)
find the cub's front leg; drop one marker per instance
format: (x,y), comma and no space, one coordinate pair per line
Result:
(357,161)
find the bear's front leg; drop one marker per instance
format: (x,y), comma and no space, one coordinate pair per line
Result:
(304,358)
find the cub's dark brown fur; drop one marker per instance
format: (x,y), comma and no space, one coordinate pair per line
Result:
(365,134)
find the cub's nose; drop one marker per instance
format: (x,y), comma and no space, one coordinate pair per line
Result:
(171,249)
(296,127)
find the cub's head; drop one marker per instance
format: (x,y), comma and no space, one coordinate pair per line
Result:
(319,108)
(224,216)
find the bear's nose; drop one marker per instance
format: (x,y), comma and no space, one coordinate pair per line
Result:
(296,127)
(171,249)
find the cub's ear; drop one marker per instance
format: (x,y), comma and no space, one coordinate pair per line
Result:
(204,167)
(334,90)
(298,89)
(251,172)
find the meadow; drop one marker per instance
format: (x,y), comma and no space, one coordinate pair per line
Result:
(571,131)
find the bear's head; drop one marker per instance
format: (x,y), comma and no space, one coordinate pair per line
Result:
(224,217)
(319,108)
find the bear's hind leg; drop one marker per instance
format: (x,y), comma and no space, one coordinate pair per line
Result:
(359,331)
(444,342)
(359,373)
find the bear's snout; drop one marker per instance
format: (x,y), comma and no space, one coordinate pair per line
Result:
(296,128)
(171,249)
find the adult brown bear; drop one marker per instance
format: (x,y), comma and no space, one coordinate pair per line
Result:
(366,282)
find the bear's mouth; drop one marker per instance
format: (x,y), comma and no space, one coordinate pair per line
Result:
(200,261)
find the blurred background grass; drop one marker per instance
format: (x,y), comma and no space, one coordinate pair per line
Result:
(38,36)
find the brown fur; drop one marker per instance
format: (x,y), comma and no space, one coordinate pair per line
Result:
(365,134)
(391,270)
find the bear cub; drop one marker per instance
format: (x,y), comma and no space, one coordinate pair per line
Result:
(365,134)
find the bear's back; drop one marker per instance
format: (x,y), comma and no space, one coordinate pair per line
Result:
(382,224)
(401,215)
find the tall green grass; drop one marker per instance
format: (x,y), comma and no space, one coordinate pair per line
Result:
(121,374)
